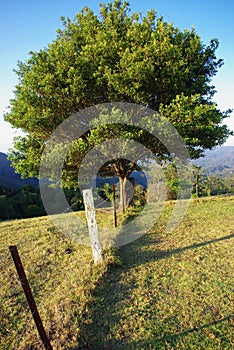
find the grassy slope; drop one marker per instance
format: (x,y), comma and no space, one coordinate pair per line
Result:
(172,291)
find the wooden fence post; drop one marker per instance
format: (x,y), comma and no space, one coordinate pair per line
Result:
(92,226)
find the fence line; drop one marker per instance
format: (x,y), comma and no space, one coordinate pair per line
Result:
(13,309)
(29,296)
(9,299)
(11,294)
(4,257)
(43,271)
(16,343)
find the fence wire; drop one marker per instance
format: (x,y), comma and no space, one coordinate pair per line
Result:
(49,282)
(15,316)
(16,343)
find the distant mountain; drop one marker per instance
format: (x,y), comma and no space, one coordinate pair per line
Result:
(8,177)
(219,161)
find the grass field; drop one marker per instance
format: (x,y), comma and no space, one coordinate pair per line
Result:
(163,291)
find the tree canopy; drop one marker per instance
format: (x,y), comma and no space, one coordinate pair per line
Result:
(116,56)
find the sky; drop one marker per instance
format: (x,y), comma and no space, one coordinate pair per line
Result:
(30,26)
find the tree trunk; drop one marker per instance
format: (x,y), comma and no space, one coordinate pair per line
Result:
(123,193)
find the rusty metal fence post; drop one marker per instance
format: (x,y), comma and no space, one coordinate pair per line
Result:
(29,297)
(115,213)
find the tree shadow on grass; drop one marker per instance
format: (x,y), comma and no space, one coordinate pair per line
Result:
(101,316)
(170,340)
(160,254)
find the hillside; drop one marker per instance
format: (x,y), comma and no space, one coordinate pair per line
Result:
(163,291)
(8,177)
(219,161)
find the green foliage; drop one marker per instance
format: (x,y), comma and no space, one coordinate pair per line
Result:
(106,192)
(26,202)
(203,184)
(139,196)
(3,190)
(172,181)
(33,210)
(6,208)
(116,56)
(197,121)
(215,185)
(229,182)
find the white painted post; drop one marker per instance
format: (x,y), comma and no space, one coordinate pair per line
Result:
(92,226)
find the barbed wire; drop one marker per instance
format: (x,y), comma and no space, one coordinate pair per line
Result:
(7,252)
(11,294)
(16,343)
(12,298)
(99,204)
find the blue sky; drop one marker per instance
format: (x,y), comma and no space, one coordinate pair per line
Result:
(30,26)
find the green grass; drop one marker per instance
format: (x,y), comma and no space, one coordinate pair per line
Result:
(171,291)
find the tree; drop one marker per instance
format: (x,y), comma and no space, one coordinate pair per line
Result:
(214,185)
(117,56)
(172,181)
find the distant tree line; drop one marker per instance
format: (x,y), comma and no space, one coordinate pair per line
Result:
(213,185)
(21,203)
(26,202)
(203,184)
